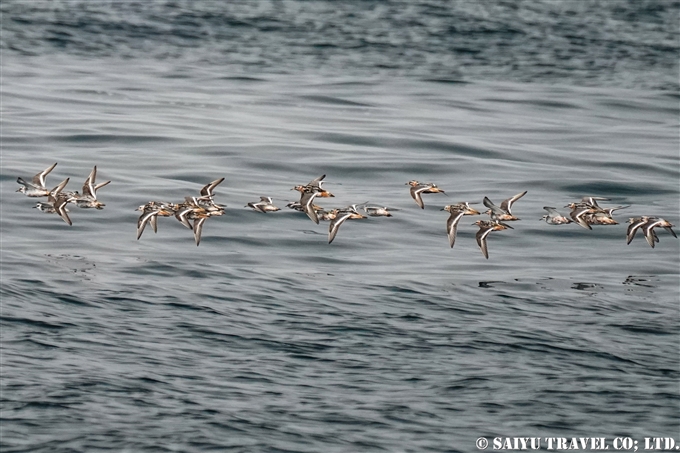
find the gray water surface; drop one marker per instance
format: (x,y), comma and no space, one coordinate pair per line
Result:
(267,338)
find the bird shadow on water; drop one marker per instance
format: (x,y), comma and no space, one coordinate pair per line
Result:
(74,264)
(644,283)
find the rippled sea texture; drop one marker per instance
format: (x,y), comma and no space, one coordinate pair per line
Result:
(623,43)
(265,337)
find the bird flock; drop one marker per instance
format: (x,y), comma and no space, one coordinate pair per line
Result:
(195,210)
(57,199)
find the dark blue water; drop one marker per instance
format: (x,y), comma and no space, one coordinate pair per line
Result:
(266,338)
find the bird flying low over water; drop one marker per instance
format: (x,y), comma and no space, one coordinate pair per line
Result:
(307,203)
(36,188)
(56,203)
(208,191)
(192,213)
(485,228)
(554,218)
(603,216)
(587,212)
(339,217)
(578,212)
(314,186)
(265,205)
(418,189)
(150,213)
(88,199)
(307,194)
(378,211)
(502,212)
(647,225)
(457,212)
(198,209)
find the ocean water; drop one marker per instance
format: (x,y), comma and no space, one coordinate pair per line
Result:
(267,338)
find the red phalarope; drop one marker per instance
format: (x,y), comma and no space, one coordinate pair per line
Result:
(150,213)
(603,216)
(485,228)
(635,224)
(36,188)
(308,193)
(56,202)
(587,212)
(339,216)
(88,199)
(418,189)
(265,205)
(327,215)
(378,211)
(457,212)
(196,209)
(554,218)
(296,206)
(502,212)
(579,213)
(315,186)
(208,191)
(307,203)
(647,225)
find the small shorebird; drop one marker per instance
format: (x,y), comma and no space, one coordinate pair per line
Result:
(314,186)
(308,193)
(150,213)
(307,203)
(603,216)
(457,212)
(56,202)
(36,188)
(378,211)
(554,218)
(193,209)
(418,189)
(199,209)
(339,217)
(587,212)
(296,206)
(88,199)
(208,190)
(635,224)
(647,225)
(648,229)
(327,215)
(265,205)
(485,228)
(579,212)
(502,212)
